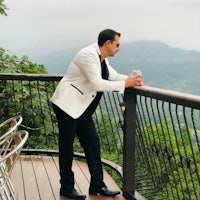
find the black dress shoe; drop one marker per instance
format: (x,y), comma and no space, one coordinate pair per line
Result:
(104,191)
(72,195)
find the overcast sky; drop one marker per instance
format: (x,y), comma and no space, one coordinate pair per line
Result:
(48,25)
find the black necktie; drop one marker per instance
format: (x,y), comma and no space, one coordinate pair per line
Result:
(104,73)
(104,70)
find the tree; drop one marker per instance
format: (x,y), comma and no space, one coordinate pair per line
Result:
(3,8)
(177,161)
(27,98)
(13,64)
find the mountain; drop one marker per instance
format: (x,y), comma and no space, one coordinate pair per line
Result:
(162,66)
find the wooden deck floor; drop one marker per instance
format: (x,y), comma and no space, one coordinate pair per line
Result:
(37,178)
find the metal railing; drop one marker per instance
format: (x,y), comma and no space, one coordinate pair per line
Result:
(162,144)
(29,95)
(156,139)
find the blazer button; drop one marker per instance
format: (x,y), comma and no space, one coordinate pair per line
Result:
(92,95)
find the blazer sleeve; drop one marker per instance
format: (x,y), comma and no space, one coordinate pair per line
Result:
(89,65)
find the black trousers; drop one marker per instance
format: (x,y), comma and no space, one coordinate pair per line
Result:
(84,128)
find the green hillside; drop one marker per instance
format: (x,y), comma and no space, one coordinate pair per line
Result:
(162,66)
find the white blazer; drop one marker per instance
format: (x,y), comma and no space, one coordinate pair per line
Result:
(79,86)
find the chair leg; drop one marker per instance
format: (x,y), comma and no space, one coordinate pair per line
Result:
(7,191)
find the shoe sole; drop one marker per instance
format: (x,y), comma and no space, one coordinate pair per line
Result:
(98,193)
(64,195)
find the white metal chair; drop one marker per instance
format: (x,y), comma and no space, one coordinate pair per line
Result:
(11,144)
(9,126)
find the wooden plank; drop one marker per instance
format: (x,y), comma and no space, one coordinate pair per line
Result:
(53,174)
(57,165)
(37,178)
(107,179)
(17,180)
(42,179)
(113,186)
(82,173)
(30,183)
(81,180)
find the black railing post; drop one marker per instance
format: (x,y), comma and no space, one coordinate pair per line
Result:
(129,145)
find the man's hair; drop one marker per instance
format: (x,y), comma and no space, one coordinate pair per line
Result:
(105,35)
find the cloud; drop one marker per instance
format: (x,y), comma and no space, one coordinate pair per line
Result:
(61,24)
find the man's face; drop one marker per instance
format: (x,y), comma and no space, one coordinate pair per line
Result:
(113,46)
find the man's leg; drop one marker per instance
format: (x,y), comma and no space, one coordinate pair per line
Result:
(89,140)
(67,129)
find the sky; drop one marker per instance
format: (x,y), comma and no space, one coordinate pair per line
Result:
(42,26)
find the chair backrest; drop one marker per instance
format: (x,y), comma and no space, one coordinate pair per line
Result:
(11,146)
(9,126)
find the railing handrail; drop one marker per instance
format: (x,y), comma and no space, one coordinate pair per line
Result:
(144,90)
(181,98)
(31,77)
(161,94)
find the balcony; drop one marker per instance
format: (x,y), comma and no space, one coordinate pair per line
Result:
(151,149)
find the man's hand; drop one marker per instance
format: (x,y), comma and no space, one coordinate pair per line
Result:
(132,81)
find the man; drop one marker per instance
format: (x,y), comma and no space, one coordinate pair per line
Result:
(74,101)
